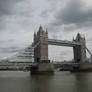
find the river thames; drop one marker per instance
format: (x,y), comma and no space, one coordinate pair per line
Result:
(18,81)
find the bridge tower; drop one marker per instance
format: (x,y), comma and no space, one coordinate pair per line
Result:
(41,51)
(80,50)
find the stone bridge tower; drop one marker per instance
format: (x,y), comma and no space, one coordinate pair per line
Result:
(80,51)
(41,51)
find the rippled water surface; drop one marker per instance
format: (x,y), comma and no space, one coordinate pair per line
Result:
(12,81)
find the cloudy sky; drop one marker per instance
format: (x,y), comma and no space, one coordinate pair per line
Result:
(19,19)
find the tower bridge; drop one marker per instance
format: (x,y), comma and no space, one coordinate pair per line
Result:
(39,51)
(41,42)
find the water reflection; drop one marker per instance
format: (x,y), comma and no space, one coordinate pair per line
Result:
(82,83)
(41,83)
(59,82)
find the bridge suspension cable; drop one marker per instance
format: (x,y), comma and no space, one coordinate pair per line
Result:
(25,55)
(90,59)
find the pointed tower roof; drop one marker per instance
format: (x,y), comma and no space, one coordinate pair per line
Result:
(79,35)
(46,31)
(34,33)
(40,28)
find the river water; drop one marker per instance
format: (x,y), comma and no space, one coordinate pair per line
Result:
(18,81)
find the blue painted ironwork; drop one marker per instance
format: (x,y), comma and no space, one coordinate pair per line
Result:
(62,42)
(89,51)
(36,44)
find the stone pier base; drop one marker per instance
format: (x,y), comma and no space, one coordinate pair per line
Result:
(43,68)
(84,67)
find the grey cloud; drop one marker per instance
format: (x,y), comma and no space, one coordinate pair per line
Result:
(73,14)
(14,12)
(6,41)
(6,6)
(15,16)
(15,25)
(45,13)
(10,49)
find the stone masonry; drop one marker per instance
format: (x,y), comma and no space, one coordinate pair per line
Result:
(41,52)
(80,51)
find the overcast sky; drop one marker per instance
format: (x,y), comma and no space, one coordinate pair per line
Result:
(63,19)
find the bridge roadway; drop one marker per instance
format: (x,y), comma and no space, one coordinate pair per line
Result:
(15,65)
(23,66)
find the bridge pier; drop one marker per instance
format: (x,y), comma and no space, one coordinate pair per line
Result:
(43,68)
